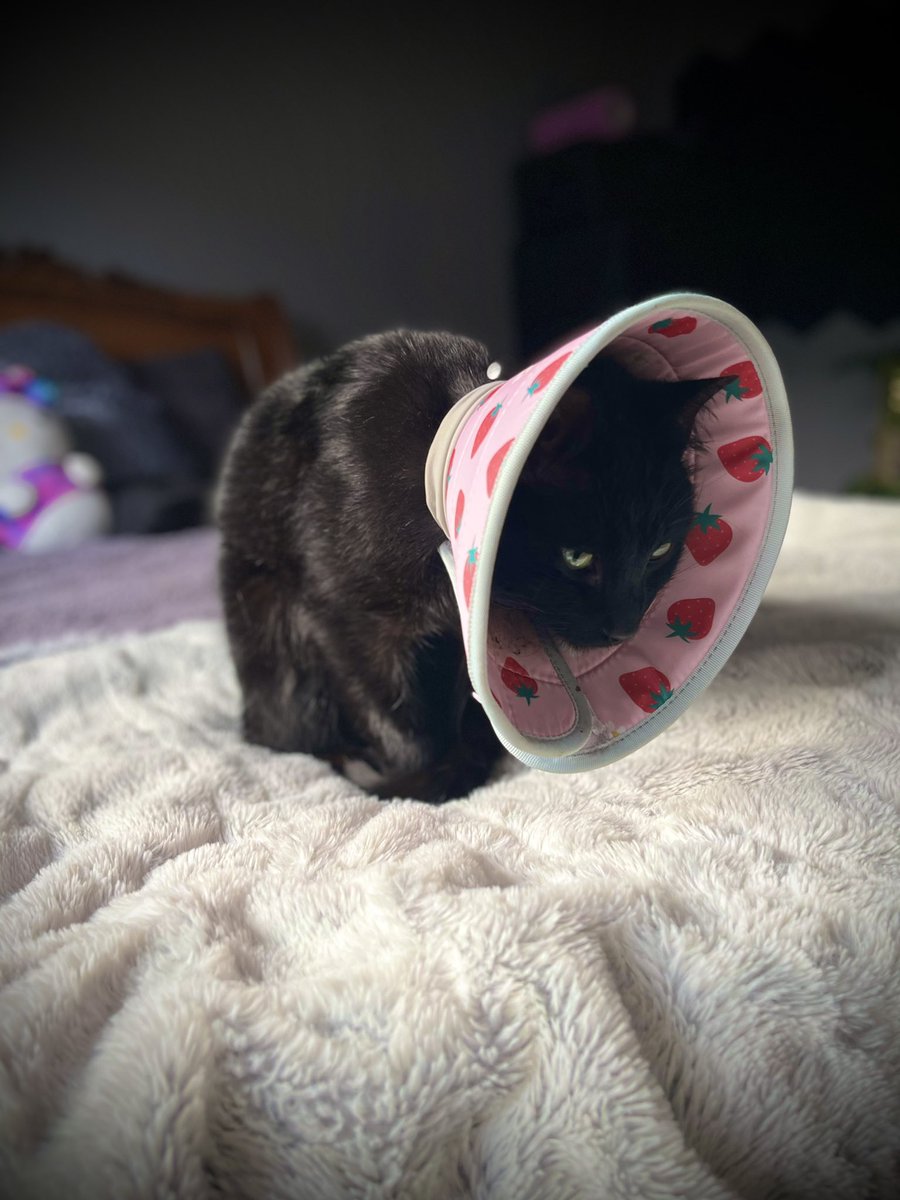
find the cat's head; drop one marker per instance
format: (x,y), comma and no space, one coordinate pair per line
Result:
(601,512)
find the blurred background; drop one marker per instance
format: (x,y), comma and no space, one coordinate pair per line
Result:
(507,175)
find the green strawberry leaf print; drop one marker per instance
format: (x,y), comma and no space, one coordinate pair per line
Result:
(518,681)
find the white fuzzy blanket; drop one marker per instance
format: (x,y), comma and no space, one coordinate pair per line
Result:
(228,973)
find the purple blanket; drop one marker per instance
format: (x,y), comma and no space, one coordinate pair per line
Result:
(110,585)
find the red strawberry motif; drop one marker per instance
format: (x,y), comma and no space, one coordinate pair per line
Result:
(708,536)
(449,470)
(648,688)
(674,326)
(469,572)
(544,376)
(691,619)
(747,459)
(745,386)
(487,395)
(460,509)
(485,427)
(494,464)
(517,679)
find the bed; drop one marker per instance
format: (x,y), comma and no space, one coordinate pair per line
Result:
(226,972)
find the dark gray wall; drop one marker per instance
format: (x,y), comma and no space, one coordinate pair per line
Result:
(358,161)
(355,160)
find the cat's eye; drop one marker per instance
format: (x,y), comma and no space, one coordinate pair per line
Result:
(577,559)
(661,551)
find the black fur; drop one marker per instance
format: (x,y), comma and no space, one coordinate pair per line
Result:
(607,477)
(340,616)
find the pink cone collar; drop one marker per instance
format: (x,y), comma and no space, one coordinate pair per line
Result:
(574,711)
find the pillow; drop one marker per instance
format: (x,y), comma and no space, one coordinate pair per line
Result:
(201,397)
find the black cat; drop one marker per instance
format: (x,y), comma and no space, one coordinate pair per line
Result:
(605,501)
(341,620)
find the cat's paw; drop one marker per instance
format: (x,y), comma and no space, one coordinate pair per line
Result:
(435,784)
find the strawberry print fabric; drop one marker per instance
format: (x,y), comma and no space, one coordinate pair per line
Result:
(553,706)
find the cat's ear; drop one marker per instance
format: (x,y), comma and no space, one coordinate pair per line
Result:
(570,427)
(568,432)
(687,397)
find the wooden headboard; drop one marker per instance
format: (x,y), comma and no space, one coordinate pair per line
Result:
(128,319)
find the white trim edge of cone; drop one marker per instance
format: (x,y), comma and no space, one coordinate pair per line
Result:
(562,756)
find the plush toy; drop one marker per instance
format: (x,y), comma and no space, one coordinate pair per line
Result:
(50,496)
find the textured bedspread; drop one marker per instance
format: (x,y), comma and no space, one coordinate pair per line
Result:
(229,973)
(110,585)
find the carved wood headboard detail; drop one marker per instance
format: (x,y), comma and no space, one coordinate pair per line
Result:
(128,319)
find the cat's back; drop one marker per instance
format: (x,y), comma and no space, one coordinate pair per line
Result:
(395,389)
(273,447)
(344,439)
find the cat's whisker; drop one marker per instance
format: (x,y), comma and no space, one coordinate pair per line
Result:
(521,605)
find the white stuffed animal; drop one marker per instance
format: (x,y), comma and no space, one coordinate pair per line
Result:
(50,496)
